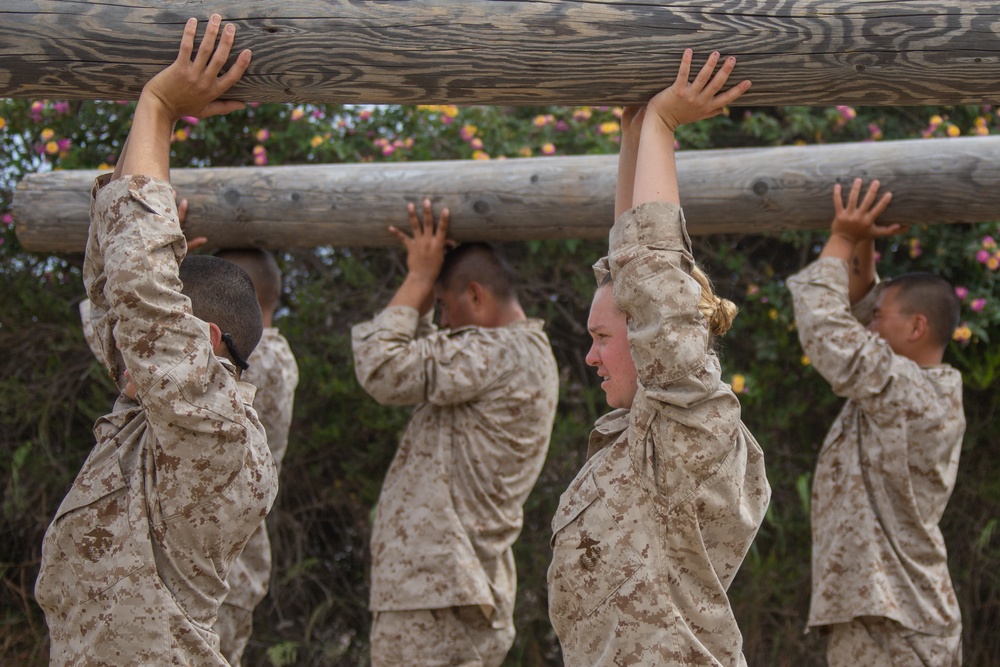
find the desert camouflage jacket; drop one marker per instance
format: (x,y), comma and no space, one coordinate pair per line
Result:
(451,504)
(275,375)
(134,564)
(885,471)
(649,535)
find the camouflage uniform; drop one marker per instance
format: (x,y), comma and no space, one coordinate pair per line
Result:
(275,375)
(649,535)
(885,472)
(451,504)
(134,564)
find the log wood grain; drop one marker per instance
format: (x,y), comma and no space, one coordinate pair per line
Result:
(810,52)
(752,191)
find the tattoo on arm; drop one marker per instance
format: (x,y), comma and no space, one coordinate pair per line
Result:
(857,266)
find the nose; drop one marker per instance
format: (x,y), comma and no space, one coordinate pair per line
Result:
(593,358)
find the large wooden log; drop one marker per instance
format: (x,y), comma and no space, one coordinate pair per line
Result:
(753,191)
(816,52)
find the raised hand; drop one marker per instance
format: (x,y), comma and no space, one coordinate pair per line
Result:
(856,220)
(687,101)
(192,87)
(426,248)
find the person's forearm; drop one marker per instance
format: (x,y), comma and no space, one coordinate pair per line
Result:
(148,143)
(626,175)
(862,270)
(415,292)
(839,246)
(655,169)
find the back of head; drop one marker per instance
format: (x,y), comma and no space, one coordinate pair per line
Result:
(481,263)
(263,270)
(223,294)
(931,296)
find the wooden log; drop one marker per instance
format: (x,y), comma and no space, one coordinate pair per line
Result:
(813,52)
(748,190)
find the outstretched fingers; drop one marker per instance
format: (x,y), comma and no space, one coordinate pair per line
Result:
(207,46)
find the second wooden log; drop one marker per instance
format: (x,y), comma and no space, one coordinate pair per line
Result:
(748,191)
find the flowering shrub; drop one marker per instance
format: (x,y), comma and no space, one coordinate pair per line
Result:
(341,442)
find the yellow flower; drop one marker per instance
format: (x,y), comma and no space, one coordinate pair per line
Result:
(524,151)
(540,121)
(738,383)
(610,127)
(47,134)
(773,313)
(52,148)
(3,122)
(806,361)
(963,334)
(449,110)
(936,120)
(181,134)
(316,141)
(298,113)
(953,131)
(480,155)
(104,166)
(548,148)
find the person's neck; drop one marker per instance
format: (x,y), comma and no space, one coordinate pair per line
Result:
(510,313)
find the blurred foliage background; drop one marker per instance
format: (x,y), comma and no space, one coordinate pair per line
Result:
(52,390)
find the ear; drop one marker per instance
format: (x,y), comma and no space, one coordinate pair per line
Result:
(477,294)
(919,327)
(215,335)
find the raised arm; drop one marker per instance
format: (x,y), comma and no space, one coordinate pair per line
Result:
(684,101)
(188,87)
(424,257)
(625,184)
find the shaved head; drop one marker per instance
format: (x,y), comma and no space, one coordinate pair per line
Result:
(481,263)
(931,296)
(263,270)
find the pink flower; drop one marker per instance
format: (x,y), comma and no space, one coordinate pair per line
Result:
(962,292)
(64,144)
(916,250)
(388,150)
(190,120)
(983,256)
(846,112)
(317,114)
(260,159)
(977,305)
(8,219)
(61,107)
(364,115)
(476,143)
(548,149)
(561,126)
(263,134)
(253,105)
(989,242)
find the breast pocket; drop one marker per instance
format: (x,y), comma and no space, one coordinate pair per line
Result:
(593,556)
(89,547)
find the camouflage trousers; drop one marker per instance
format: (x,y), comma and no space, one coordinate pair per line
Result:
(452,637)
(233,626)
(880,642)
